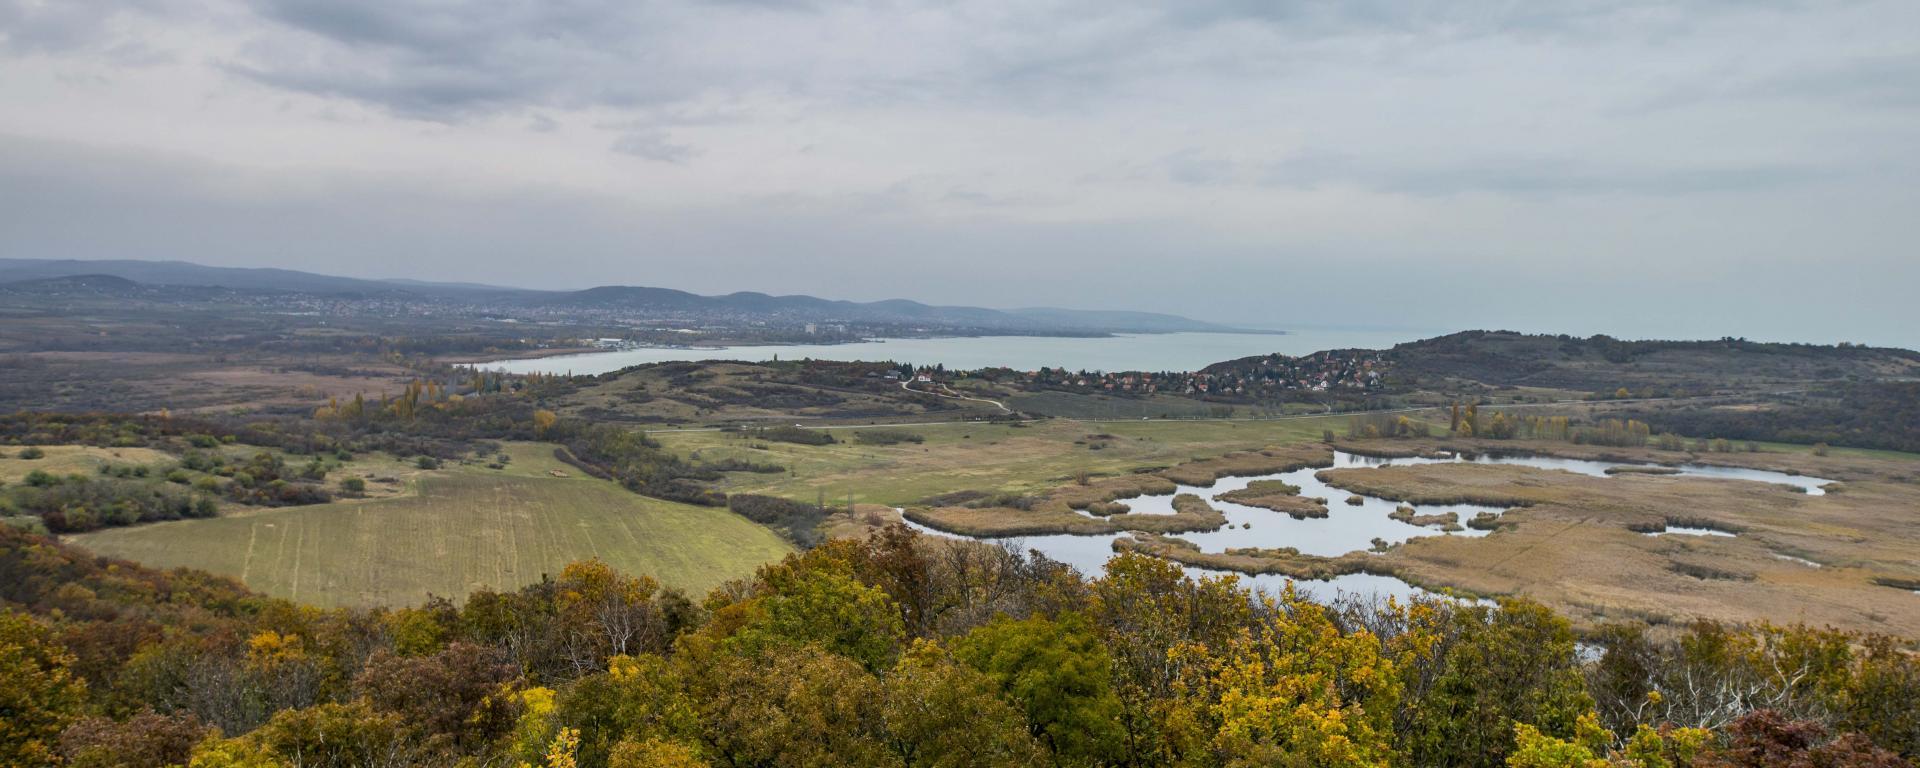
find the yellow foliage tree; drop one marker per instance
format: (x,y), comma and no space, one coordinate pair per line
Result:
(1295,690)
(39,693)
(654,753)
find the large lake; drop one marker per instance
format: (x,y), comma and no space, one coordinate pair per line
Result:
(1131,352)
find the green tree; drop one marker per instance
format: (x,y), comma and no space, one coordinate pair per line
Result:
(1498,667)
(637,698)
(940,714)
(1059,674)
(825,607)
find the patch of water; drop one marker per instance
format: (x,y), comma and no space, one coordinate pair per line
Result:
(1812,486)
(1089,555)
(1809,485)
(1347,527)
(1689,531)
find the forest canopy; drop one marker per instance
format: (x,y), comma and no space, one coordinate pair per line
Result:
(902,650)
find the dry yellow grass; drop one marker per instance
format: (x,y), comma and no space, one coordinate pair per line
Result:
(1271,495)
(1266,461)
(71,459)
(1575,541)
(1190,513)
(1284,562)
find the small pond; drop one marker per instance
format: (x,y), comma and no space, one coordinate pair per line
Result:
(1682,530)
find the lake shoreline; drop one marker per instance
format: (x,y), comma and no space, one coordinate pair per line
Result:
(1174,351)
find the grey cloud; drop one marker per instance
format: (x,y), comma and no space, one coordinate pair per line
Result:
(1548,177)
(1023,152)
(447,61)
(1522,177)
(28,26)
(1891,81)
(653,144)
(55,197)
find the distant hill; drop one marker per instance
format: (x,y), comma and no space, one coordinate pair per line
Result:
(184,273)
(105,284)
(663,301)
(107,287)
(1596,363)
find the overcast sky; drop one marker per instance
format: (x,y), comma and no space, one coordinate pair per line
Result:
(1643,169)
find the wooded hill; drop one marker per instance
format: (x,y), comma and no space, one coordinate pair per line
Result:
(1602,364)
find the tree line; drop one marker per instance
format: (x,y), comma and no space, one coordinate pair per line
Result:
(902,650)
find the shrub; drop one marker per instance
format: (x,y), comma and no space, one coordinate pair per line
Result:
(32,452)
(798,522)
(886,437)
(799,435)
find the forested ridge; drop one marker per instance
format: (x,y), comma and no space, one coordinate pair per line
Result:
(901,650)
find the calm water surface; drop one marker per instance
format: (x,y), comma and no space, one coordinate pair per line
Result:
(1133,352)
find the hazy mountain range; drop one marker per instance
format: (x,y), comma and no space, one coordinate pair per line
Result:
(140,276)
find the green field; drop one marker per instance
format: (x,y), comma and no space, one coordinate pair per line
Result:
(456,530)
(985,457)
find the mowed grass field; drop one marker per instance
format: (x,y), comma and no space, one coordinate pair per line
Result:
(984,457)
(456,530)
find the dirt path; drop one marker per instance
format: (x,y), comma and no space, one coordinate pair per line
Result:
(952,395)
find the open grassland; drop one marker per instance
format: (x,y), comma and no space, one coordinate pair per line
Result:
(1075,405)
(993,458)
(734,392)
(73,459)
(456,530)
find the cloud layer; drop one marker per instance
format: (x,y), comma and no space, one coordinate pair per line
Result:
(1637,168)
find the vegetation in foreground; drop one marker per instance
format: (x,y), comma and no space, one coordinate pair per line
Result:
(904,651)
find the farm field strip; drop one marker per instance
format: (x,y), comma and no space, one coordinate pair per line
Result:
(460,530)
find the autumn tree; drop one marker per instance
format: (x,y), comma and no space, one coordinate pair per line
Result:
(1295,688)
(789,706)
(457,696)
(39,694)
(636,698)
(146,740)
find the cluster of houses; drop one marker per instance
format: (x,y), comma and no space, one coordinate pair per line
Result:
(1345,370)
